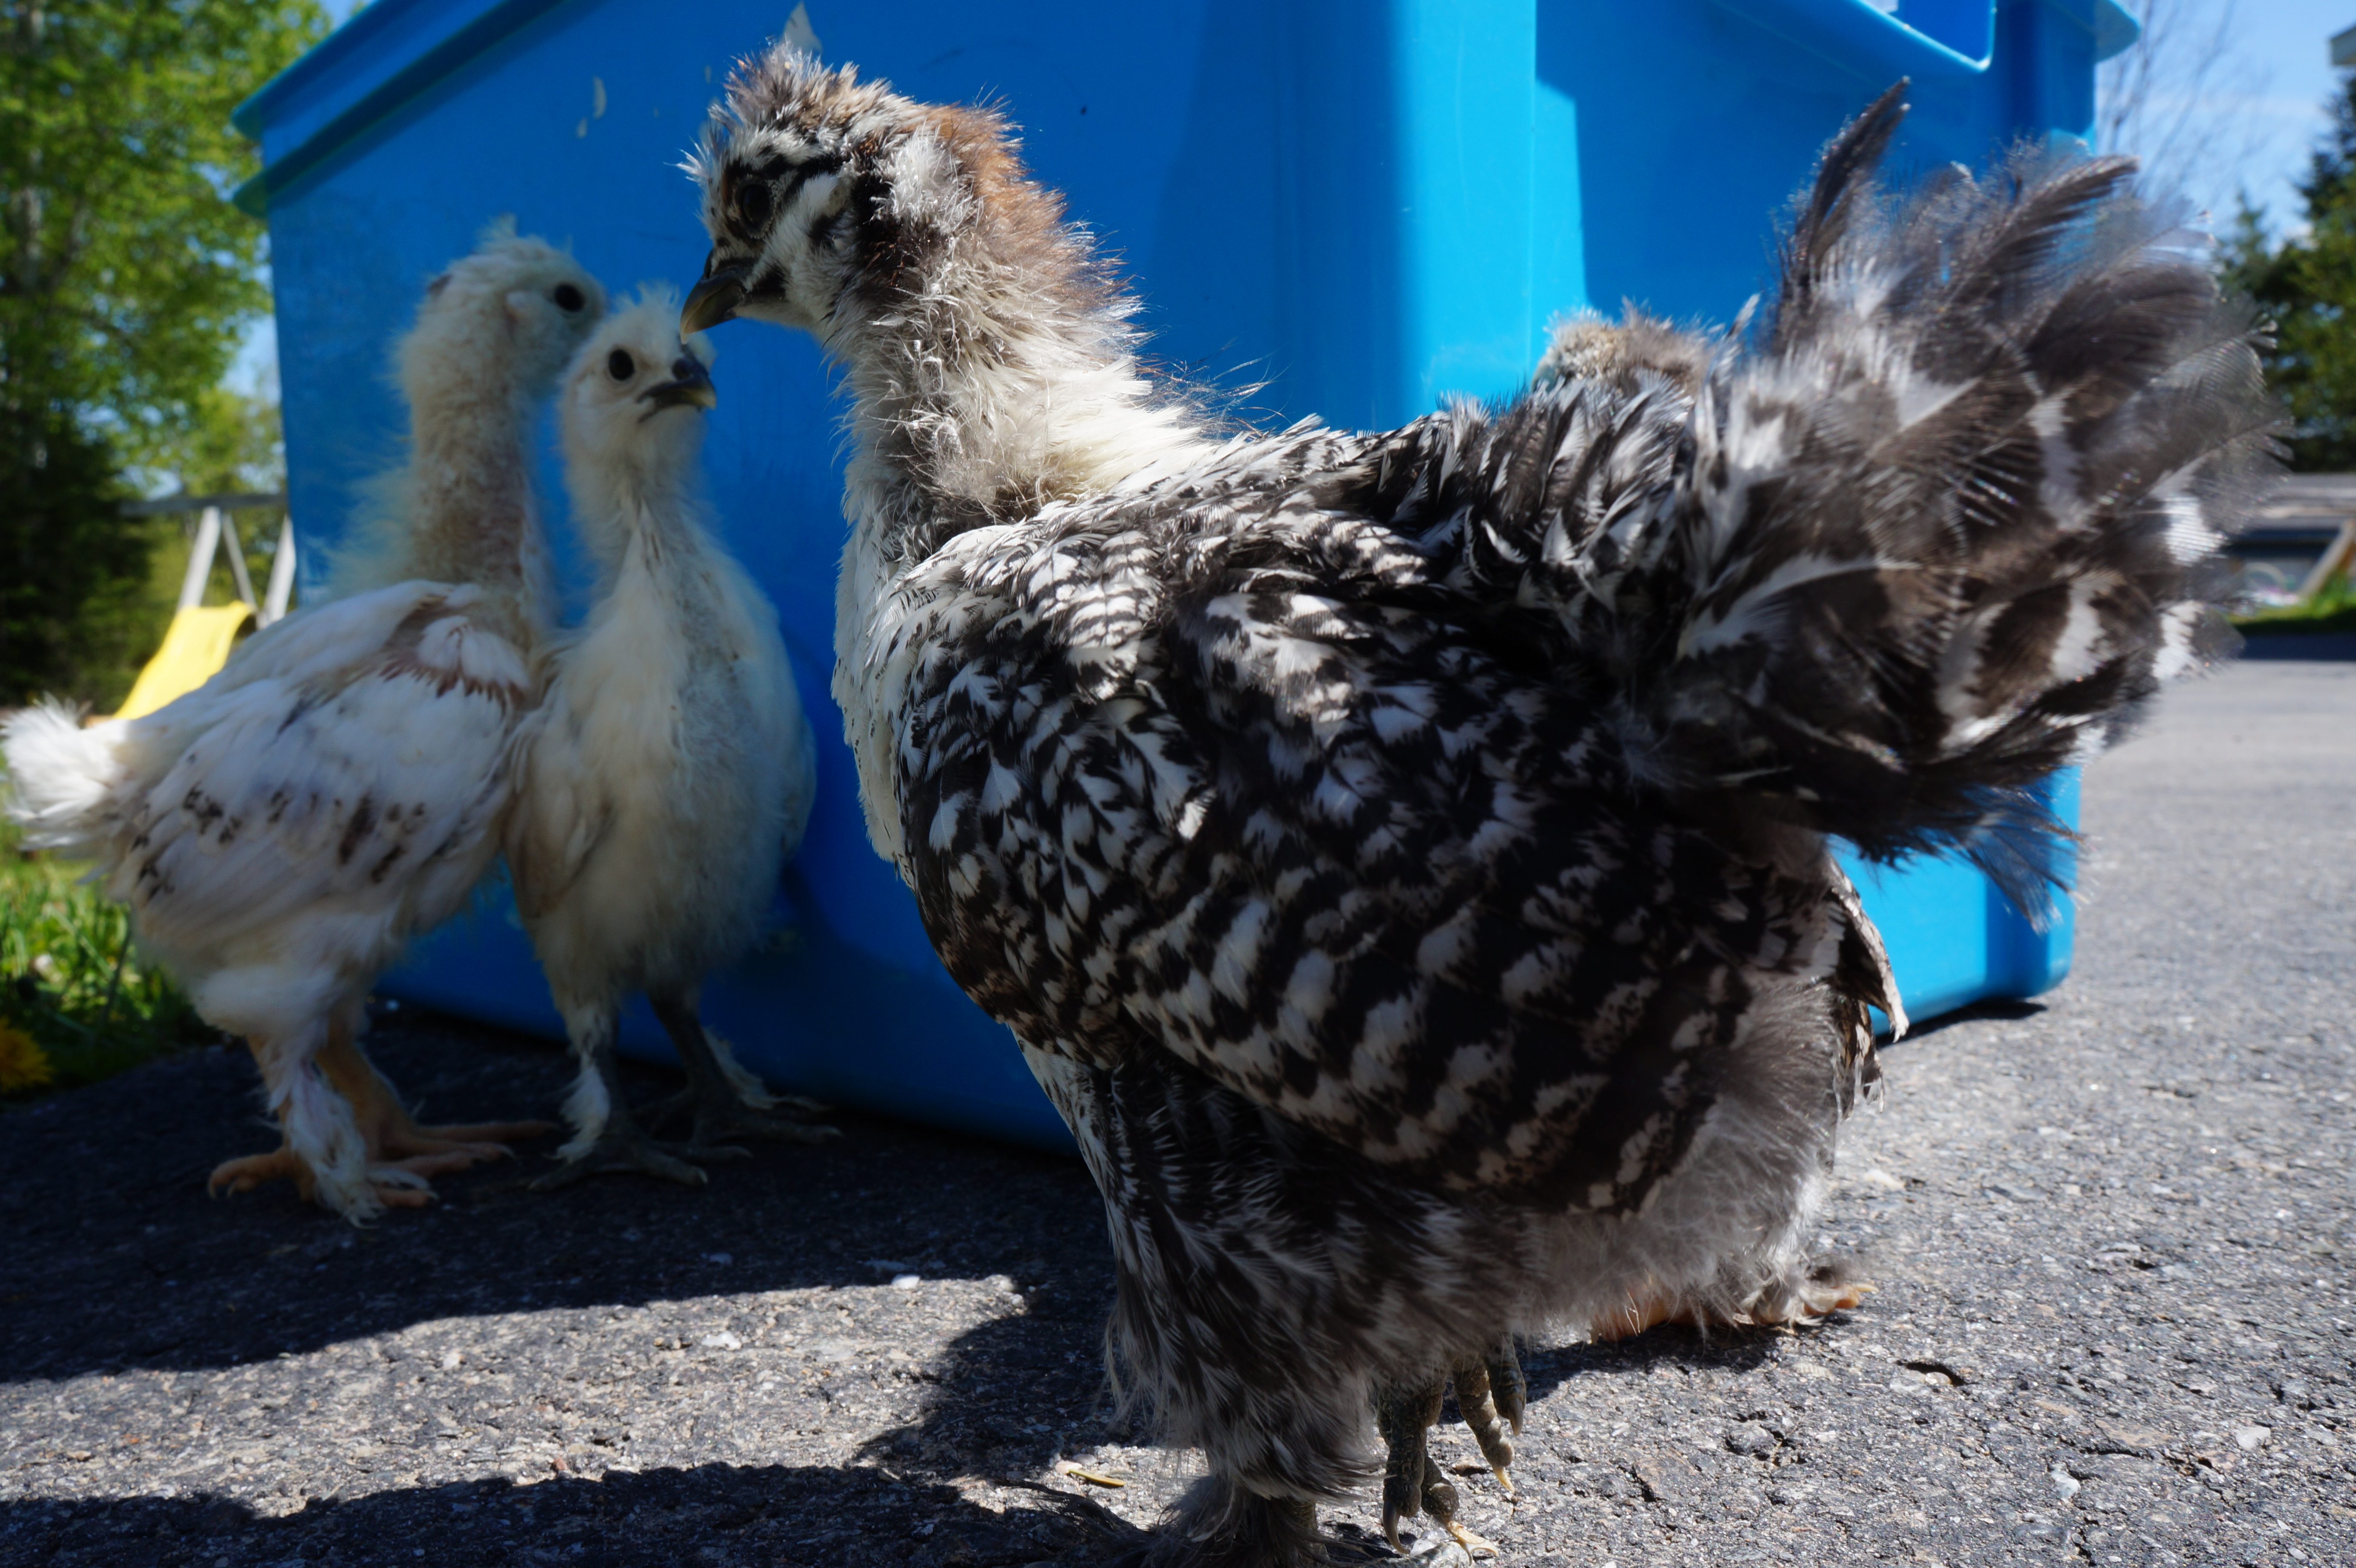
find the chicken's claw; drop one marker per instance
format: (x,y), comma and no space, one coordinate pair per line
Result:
(1476,1404)
(1825,1291)
(725,1100)
(1486,1390)
(399,1184)
(622,1149)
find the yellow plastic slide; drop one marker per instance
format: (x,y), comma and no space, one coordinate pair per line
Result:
(194,649)
(201,636)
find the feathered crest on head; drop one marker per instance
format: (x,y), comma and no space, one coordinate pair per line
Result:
(767,89)
(746,106)
(788,86)
(498,232)
(496,244)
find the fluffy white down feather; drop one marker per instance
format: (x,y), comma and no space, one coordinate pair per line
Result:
(668,772)
(279,832)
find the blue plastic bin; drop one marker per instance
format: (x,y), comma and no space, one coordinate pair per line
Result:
(1363,207)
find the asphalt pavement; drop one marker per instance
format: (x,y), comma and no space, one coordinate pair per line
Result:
(2111,1233)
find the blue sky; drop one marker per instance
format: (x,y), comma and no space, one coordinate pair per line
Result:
(2268,109)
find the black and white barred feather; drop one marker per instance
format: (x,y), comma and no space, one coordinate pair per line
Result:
(1365,768)
(1403,857)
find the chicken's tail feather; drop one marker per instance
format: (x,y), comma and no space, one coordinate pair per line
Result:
(1952,508)
(1842,183)
(60,775)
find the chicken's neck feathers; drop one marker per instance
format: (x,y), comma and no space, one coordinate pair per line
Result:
(985,386)
(983,391)
(667,580)
(628,517)
(989,409)
(464,509)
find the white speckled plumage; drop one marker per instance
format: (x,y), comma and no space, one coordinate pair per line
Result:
(1403,857)
(338,788)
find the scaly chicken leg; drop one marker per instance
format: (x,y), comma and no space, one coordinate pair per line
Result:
(726,1101)
(1490,1395)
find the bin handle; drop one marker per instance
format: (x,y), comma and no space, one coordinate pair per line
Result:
(1870,40)
(1865,38)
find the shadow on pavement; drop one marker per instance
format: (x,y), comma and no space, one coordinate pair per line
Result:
(1013,1395)
(715,1514)
(1014,1392)
(2004,1009)
(117,1258)
(1668,1346)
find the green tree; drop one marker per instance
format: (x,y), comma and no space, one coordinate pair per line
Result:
(232,442)
(126,280)
(2307,284)
(73,616)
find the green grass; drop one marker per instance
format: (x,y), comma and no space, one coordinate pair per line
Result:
(77,1004)
(2331,609)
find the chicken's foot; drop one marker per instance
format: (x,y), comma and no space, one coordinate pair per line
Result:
(1412,1481)
(1490,1393)
(622,1149)
(616,1144)
(395,1187)
(1825,1291)
(726,1101)
(400,1154)
(393,1137)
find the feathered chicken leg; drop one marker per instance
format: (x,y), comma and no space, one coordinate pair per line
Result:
(1412,1484)
(609,1140)
(396,1139)
(400,1154)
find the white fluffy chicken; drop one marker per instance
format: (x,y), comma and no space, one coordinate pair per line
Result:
(668,774)
(339,786)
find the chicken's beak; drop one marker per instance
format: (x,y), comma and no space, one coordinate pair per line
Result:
(691,387)
(714,299)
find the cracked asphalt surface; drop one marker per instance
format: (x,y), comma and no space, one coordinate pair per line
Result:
(2112,1233)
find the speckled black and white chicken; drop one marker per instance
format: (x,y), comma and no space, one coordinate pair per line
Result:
(1402,856)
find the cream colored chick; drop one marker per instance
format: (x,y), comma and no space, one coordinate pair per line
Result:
(340,786)
(668,774)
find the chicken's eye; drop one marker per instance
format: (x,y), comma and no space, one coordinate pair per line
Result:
(620,366)
(753,204)
(568,298)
